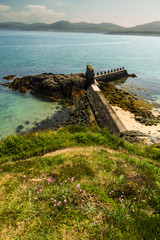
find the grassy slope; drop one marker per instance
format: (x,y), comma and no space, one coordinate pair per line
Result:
(119,182)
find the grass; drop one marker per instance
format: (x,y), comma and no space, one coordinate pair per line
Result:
(100,187)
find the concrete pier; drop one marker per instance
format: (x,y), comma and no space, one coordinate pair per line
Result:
(104,113)
(112,75)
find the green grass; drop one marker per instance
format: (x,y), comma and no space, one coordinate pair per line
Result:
(119,182)
(36,144)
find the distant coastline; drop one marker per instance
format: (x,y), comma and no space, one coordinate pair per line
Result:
(149,29)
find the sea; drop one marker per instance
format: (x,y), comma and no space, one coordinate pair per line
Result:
(29,53)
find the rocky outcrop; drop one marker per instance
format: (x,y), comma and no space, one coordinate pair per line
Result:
(50,86)
(10,77)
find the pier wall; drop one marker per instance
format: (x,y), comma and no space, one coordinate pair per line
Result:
(111,76)
(104,113)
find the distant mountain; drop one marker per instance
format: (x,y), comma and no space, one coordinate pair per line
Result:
(63,26)
(148,27)
(106,28)
(12,25)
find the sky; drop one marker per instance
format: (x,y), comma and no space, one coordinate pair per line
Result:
(127,13)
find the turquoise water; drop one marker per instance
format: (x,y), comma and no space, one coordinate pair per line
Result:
(26,53)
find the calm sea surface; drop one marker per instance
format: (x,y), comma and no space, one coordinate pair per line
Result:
(27,53)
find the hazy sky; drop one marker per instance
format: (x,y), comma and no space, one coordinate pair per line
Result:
(122,12)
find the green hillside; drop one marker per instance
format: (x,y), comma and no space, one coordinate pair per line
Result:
(150,27)
(88,185)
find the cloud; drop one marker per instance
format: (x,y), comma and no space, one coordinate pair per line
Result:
(41,9)
(4,7)
(59,4)
(33,13)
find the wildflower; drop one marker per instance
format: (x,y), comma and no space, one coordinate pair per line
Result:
(78,185)
(54,205)
(121,195)
(65,201)
(133,210)
(51,198)
(55,201)
(63,196)
(68,178)
(65,181)
(40,190)
(42,175)
(72,179)
(59,203)
(24,175)
(61,184)
(111,192)
(80,190)
(49,180)
(134,198)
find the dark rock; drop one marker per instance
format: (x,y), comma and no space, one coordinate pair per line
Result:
(27,122)
(23,89)
(19,128)
(50,86)
(9,77)
(133,75)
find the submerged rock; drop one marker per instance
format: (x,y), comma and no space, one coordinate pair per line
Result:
(19,128)
(133,75)
(23,89)
(9,77)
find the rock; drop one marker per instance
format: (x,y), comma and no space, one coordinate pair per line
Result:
(27,122)
(19,128)
(23,89)
(133,75)
(9,77)
(50,86)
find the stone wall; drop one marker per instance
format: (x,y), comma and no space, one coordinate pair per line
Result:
(89,75)
(112,76)
(104,113)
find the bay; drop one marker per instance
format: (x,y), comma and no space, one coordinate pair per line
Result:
(28,53)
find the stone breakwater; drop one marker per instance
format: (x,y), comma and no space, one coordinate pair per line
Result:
(103,112)
(112,76)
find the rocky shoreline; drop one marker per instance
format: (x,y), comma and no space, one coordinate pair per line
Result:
(72,88)
(77,114)
(129,101)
